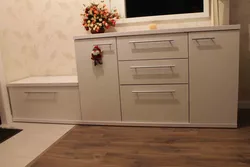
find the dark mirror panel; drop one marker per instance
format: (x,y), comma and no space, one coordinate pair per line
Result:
(143,8)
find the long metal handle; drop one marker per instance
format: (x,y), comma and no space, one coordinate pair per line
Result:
(198,39)
(155,91)
(149,41)
(159,66)
(103,44)
(40,92)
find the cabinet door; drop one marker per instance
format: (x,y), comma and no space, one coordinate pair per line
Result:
(99,86)
(214,68)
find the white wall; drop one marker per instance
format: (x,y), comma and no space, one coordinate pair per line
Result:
(5,112)
(240,14)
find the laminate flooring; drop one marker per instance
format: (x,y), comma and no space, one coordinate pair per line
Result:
(106,146)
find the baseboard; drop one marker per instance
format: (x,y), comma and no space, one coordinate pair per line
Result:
(45,121)
(136,124)
(244,105)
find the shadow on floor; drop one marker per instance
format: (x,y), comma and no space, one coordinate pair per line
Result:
(244,118)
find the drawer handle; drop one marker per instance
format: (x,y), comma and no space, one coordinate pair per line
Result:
(159,66)
(103,44)
(40,92)
(150,41)
(199,39)
(202,39)
(155,91)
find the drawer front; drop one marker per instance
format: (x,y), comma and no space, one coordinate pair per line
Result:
(214,72)
(159,103)
(52,103)
(153,47)
(153,71)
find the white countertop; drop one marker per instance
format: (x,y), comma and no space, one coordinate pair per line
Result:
(160,31)
(46,81)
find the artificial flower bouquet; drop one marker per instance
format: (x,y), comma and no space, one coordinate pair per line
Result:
(97,18)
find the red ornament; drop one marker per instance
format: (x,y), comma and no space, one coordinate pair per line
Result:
(96,55)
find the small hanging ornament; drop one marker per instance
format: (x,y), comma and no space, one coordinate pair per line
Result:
(96,55)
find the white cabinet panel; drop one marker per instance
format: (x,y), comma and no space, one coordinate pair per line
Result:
(99,85)
(214,70)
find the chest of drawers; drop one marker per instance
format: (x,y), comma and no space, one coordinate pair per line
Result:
(171,78)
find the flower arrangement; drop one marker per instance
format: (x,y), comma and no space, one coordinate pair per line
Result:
(97,18)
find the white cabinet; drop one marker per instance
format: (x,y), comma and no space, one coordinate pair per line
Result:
(214,72)
(99,86)
(176,77)
(183,77)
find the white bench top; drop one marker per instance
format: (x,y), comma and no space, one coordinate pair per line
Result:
(46,81)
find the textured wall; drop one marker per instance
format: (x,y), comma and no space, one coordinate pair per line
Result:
(240,14)
(36,36)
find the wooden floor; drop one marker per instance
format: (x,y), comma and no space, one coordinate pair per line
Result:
(96,146)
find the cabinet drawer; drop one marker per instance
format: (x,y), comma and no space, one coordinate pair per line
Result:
(153,47)
(153,71)
(46,103)
(159,103)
